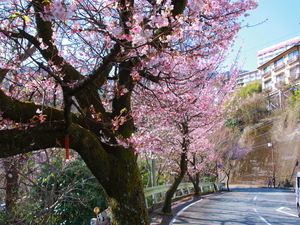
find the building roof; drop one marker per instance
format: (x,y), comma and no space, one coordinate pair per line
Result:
(278,46)
(248,72)
(279,56)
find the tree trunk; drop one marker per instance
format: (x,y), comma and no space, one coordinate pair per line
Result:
(196,185)
(227,182)
(11,187)
(167,208)
(114,167)
(124,189)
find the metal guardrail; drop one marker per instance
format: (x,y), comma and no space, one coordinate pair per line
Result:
(183,188)
(104,217)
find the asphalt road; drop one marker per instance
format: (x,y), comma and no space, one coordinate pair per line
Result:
(248,206)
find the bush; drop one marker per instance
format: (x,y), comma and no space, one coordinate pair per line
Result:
(56,192)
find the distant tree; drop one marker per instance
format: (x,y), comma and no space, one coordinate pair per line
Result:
(228,150)
(249,89)
(11,185)
(295,98)
(202,168)
(251,106)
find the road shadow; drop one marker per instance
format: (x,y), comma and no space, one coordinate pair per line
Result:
(157,218)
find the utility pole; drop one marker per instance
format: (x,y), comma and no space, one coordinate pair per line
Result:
(153,177)
(273,165)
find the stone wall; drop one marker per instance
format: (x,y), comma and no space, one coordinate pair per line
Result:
(283,133)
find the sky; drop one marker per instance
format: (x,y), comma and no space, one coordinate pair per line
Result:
(272,22)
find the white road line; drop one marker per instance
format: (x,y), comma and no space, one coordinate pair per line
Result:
(263,219)
(281,209)
(256,197)
(178,214)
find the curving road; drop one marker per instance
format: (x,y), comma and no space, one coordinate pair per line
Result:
(248,206)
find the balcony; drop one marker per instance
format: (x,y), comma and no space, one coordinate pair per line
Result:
(268,88)
(266,74)
(279,84)
(293,59)
(278,67)
(294,77)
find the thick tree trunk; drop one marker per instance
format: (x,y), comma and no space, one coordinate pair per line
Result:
(123,187)
(117,171)
(125,191)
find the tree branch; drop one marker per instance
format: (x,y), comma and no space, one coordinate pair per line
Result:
(24,111)
(50,135)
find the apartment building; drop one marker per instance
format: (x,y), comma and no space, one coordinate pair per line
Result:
(281,69)
(248,77)
(269,53)
(263,57)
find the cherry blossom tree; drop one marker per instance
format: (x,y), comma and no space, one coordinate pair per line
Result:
(201,166)
(179,118)
(83,61)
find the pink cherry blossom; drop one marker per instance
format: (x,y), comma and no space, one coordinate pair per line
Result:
(141,76)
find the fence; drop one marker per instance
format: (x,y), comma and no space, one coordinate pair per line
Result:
(157,193)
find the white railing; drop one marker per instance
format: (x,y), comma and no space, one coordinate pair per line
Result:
(293,59)
(266,74)
(104,217)
(183,189)
(278,67)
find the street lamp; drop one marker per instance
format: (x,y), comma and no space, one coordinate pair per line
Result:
(273,166)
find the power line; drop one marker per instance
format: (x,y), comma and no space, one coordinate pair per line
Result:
(269,42)
(260,144)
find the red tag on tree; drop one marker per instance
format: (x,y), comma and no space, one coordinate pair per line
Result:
(67,141)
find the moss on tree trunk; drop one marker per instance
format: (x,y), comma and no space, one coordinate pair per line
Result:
(125,190)
(116,171)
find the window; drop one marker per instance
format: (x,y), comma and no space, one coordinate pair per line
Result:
(280,78)
(266,69)
(294,73)
(278,63)
(293,54)
(268,84)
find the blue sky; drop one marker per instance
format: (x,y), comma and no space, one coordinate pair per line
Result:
(282,22)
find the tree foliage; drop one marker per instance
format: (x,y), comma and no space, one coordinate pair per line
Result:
(228,149)
(295,97)
(50,191)
(251,106)
(178,119)
(68,69)
(249,90)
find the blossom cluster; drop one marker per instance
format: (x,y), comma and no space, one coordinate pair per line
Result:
(58,10)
